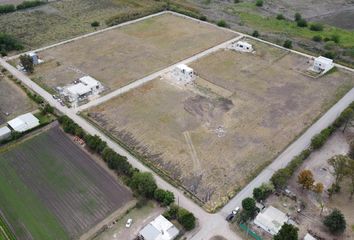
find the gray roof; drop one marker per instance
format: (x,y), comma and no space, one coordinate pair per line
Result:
(149,232)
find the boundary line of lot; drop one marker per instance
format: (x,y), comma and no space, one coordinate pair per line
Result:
(153,76)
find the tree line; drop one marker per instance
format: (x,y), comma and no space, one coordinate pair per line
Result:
(8,8)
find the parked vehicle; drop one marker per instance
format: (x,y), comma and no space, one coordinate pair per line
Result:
(129,223)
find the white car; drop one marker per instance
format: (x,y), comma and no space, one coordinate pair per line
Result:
(236,210)
(129,223)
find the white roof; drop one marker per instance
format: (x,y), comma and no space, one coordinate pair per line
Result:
(309,237)
(271,220)
(159,229)
(78,89)
(4,131)
(23,122)
(31,54)
(184,67)
(89,81)
(246,44)
(324,60)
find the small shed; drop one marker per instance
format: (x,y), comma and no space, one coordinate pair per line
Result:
(23,122)
(322,64)
(242,46)
(183,74)
(34,58)
(5,133)
(271,220)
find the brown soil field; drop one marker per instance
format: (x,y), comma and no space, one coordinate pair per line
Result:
(54,189)
(13,101)
(212,143)
(122,55)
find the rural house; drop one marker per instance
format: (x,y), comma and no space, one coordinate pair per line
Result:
(271,220)
(5,133)
(159,229)
(86,86)
(242,46)
(322,64)
(183,74)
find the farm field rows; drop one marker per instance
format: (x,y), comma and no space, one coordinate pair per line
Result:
(122,55)
(51,189)
(213,141)
(13,101)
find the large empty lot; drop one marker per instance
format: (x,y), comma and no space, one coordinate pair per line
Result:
(51,189)
(214,136)
(13,101)
(119,56)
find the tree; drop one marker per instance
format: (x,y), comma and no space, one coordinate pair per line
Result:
(280,17)
(144,184)
(305,178)
(164,197)
(297,17)
(335,222)
(186,219)
(287,232)
(27,63)
(222,23)
(302,23)
(288,44)
(280,178)
(347,115)
(318,188)
(350,169)
(255,34)
(259,3)
(95,143)
(316,27)
(262,192)
(339,165)
(351,150)
(249,204)
(95,24)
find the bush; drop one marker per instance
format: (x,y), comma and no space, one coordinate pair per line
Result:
(95,143)
(249,204)
(262,192)
(117,162)
(280,178)
(144,184)
(164,197)
(319,139)
(288,44)
(335,38)
(255,34)
(330,55)
(280,17)
(27,63)
(287,232)
(297,17)
(71,127)
(236,1)
(203,18)
(259,3)
(317,38)
(316,27)
(351,150)
(222,23)
(29,4)
(171,213)
(302,23)
(335,222)
(8,43)
(95,24)
(186,219)
(7,8)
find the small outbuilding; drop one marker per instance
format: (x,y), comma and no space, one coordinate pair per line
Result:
(35,58)
(23,122)
(159,229)
(183,74)
(242,46)
(5,133)
(271,220)
(322,64)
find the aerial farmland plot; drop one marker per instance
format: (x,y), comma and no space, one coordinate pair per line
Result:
(121,55)
(214,136)
(52,189)
(13,100)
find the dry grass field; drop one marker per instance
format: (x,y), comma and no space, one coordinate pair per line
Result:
(213,142)
(51,189)
(122,55)
(13,101)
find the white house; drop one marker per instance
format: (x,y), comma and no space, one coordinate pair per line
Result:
(23,122)
(242,46)
(5,133)
(322,64)
(183,74)
(271,220)
(85,87)
(159,229)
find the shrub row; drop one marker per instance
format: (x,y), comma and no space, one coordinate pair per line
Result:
(185,10)
(281,176)
(183,216)
(8,43)
(7,8)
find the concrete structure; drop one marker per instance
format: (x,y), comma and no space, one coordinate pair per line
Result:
(23,122)
(183,74)
(242,46)
(322,64)
(5,133)
(85,87)
(271,220)
(159,229)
